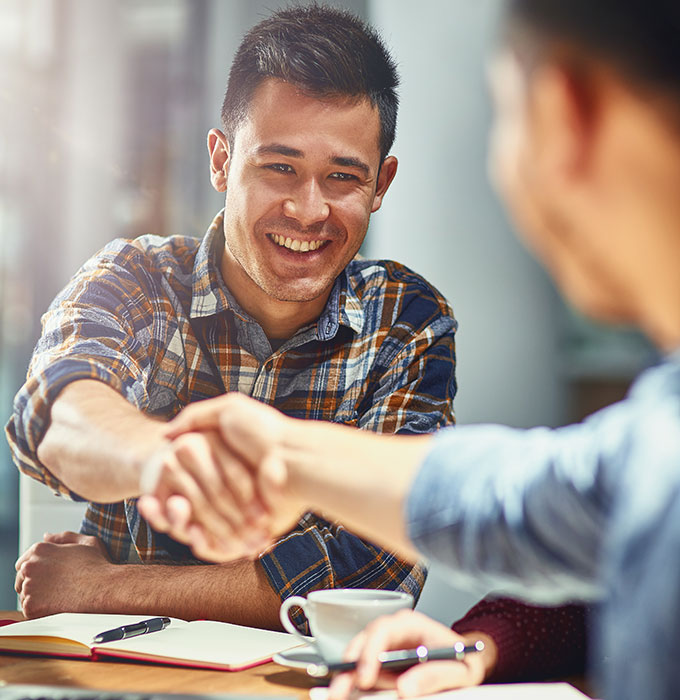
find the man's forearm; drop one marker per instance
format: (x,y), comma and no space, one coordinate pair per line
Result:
(97,442)
(238,592)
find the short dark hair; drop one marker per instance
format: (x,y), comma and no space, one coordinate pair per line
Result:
(325,52)
(638,38)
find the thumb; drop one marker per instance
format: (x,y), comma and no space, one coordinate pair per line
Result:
(434,677)
(271,481)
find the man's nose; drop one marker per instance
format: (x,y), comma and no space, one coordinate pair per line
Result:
(307,204)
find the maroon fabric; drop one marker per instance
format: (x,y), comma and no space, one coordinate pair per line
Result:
(533,642)
(7,622)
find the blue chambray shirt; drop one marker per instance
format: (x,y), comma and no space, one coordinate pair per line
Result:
(587,512)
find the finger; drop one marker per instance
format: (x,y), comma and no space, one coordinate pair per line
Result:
(353,649)
(19,581)
(237,478)
(202,415)
(403,630)
(207,547)
(435,676)
(150,509)
(271,482)
(341,686)
(182,474)
(24,557)
(179,511)
(151,471)
(200,455)
(232,492)
(250,428)
(382,634)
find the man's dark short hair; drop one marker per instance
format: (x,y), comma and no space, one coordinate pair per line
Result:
(325,52)
(640,39)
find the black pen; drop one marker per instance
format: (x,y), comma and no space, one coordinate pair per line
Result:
(154,624)
(399,660)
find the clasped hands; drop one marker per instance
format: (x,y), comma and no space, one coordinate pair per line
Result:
(220,485)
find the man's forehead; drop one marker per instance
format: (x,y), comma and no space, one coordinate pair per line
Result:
(285,119)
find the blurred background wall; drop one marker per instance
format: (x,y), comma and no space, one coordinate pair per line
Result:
(104,108)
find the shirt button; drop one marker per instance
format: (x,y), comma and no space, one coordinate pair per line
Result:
(269,366)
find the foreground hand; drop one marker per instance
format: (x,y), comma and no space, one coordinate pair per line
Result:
(219,487)
(197,484)
(407,630)
(64,573)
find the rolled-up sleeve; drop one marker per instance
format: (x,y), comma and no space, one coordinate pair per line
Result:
(318,554)
(90,331)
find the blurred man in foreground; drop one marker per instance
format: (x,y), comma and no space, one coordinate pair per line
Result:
(586,153)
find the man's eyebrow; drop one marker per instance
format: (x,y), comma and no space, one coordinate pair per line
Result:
(348,162)
(280,150)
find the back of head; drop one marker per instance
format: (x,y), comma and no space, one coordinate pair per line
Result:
(325,52)
(640,39)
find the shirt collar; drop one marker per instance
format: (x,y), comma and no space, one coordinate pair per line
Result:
(210,295)
(343,308)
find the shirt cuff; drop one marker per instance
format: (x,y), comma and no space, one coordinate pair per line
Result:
(32,407)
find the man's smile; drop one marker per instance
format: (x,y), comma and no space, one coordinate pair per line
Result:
(296,244)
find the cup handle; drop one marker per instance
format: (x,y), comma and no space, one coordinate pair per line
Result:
(287,604)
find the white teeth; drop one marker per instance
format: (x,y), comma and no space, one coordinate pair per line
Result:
(295,244)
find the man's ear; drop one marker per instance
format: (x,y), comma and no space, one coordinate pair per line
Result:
(385,176)
(218,148)
(563,121)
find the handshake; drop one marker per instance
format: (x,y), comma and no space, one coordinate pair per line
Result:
(236,473)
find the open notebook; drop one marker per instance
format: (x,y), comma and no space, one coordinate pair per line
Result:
(199,644)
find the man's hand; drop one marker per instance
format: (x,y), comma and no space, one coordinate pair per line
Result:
(286,467)
(219,486)
(407,630)
(64,573)
(197,481)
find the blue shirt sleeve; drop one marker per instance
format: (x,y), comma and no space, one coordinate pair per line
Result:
(517,511)
(537,513)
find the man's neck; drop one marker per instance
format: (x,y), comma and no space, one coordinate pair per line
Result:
(653,274)
(279,319)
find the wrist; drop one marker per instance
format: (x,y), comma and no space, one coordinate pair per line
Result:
(100,587)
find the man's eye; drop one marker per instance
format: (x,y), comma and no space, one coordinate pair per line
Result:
(280,167)
(343,176)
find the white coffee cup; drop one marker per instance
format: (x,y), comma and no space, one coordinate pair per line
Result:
(337,615)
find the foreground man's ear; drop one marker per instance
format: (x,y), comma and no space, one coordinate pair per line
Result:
(563,117)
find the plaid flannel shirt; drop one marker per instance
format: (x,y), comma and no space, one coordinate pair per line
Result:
(380,357)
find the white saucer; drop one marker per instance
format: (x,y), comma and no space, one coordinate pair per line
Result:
(299,657)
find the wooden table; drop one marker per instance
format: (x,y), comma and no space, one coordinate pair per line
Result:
(267,679)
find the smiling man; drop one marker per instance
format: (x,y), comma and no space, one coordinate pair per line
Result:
(272,303)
